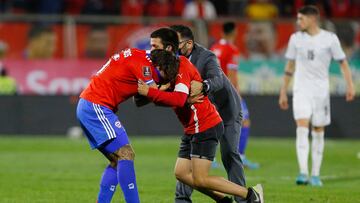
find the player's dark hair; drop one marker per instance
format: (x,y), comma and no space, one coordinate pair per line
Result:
(168,38)
(184,31)
(167,62)
(309,10)
(228,27)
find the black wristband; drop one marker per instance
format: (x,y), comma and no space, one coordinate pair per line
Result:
(206,87)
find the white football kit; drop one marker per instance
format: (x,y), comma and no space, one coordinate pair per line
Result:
(312,56)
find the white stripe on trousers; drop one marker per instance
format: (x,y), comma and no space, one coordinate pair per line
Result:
(102,122)
(106,120)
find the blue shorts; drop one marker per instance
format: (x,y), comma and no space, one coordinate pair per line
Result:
(101,126)
(245,111)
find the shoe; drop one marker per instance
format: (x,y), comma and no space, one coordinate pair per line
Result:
(226,200)
(315,181)
(249,164)
(258,194)
(302,179)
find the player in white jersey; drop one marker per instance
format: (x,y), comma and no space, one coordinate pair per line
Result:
(309,54)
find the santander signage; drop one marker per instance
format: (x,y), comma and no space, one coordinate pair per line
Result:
(52,77)
(39,82)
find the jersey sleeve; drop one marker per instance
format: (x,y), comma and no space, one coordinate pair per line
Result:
(173,99)
(336,50)
(291,50)
(182,82)
(142,71)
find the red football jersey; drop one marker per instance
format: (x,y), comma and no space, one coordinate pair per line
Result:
(196,117)
(227,54)
(118,79)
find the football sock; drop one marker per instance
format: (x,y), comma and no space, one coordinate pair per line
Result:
(317,149)
(127,180)
(302,148)
(107,185)
(243,139)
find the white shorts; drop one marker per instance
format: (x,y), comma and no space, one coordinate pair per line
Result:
(316,108)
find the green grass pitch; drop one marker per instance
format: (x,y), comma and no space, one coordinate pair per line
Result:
(57,169)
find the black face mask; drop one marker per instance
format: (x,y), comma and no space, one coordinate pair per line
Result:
(179,53)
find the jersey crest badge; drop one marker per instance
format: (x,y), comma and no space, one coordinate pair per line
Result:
(146,71)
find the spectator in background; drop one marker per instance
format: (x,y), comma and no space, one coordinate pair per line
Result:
(41,43)
(340,8)
(7,83)
(132,7)
(260,41)
(202,9)
(35,6)
(323,6)
(4,6)
(19,6)
(355,8)
(3,49)
(97,7)
(286,8)
(221,7)
(158,8)
(346,33)
(177,7)
(97,43)
(48,7)
(261,10)
(237,7)
(74,7)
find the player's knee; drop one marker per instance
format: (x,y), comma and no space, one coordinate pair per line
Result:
(302,123)
(113,164)
(125,153)
(179,174)
(318,129)
(113,159)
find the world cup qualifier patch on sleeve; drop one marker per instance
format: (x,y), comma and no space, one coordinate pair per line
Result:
(146,71)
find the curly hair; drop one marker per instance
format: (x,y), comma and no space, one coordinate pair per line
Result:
(167,62)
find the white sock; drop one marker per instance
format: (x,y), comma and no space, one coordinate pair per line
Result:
(317,149)
(302,148)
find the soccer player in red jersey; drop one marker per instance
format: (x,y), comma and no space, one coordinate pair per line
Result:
(228,55)
(114,83)
(202,127)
